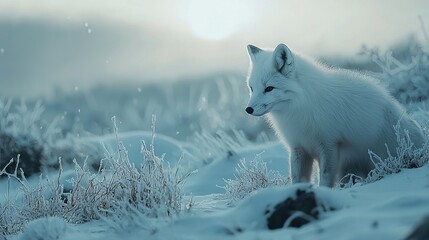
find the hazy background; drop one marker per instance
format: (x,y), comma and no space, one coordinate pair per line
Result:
(47,45)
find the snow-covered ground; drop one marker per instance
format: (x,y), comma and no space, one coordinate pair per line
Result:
(386,209)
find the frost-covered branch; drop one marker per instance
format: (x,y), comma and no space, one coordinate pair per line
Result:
(251,176)
(154,189)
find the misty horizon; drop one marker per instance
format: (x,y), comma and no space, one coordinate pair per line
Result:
(50,44)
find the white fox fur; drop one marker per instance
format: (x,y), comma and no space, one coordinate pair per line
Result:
(333,116)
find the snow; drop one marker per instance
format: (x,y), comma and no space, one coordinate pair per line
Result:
(49,228)
(386,209)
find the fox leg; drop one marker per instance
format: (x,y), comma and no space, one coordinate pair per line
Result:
(328,164)
(300,165)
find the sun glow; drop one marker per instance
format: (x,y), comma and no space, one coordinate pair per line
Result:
(214,20)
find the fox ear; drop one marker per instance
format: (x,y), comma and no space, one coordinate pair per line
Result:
(252,50)
(282,57)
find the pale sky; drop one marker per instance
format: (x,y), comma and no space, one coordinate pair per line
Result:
(71,43)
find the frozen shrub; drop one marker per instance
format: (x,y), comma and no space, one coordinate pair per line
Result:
(23,132)
(251,176)
(30,150)
(35,201)
(19,135)
(407,80)
(406,156)
(153,188)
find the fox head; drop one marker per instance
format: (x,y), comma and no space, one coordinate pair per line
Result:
(270,79)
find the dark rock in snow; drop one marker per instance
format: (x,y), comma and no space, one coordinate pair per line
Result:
(421,232)
(303,209)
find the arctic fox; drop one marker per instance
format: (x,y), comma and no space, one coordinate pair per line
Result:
(333,116)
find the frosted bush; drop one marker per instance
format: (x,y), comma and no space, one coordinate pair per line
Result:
(251,176)
(24,131)
(406,156)
(407,80)
(21,133)
(153,188)
(45,198)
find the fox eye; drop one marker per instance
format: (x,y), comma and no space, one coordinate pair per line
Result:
(269,89)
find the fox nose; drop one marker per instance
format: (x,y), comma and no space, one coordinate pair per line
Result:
(249,110)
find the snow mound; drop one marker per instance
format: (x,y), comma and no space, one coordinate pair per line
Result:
(253,213)
(387,209)
(211,178)
(47,228)
(171,149)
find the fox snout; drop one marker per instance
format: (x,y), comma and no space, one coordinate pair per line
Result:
(255,107)
(249,110)
(257,110)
